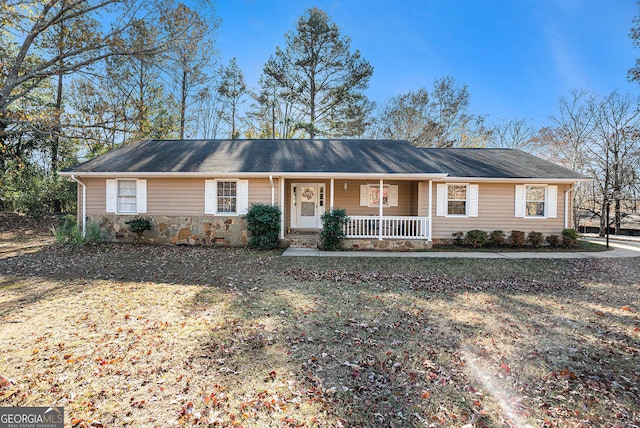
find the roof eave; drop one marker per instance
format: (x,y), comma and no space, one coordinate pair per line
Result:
(390,175)
(518,179)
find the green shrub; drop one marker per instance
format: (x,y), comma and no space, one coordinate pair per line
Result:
(138,225)
(263,223)
(332,232)
(63,232)
(476,238)
(516,238)
(457,238)
(93,234)
(553,241)
(570,237)
(535,239)
(496,238)
(70,234)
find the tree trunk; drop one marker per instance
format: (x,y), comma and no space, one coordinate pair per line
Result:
(618,216)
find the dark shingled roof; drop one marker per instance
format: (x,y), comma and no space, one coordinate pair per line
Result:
(321,156)
(268,156)
(496,163)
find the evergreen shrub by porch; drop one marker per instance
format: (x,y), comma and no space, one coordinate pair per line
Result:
(332,232)
(516,239)
(535,239)
(476,238)
(263,223)
(570,237)
(496,238)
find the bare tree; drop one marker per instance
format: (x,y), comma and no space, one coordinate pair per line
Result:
(440,118)
(513,134)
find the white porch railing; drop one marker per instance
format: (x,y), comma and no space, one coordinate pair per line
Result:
(391,227)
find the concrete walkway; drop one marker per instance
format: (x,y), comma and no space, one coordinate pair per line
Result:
(618,249)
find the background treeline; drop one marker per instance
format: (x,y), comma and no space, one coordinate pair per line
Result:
(81,77)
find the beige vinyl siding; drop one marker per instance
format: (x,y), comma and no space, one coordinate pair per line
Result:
(260,191)
(350,199)
(496,211)
(172,196)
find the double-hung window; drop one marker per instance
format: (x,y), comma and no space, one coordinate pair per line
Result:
(536,201)
(457,200)
(227,193)
(126,196)
(370,195)
(226,197)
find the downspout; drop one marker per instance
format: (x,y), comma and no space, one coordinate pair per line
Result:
(566,204)
(84,204)
(273,190)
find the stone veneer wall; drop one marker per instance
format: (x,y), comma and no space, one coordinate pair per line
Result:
(166,230)
(387,244)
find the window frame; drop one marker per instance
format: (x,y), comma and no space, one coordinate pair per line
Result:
(113,195)
(211,197)
(217,198)
(392,198)
(472,194)
(135,195)
(544,201)
(466,200)
(550,201)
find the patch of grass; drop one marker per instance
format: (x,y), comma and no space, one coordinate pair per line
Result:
(170,336)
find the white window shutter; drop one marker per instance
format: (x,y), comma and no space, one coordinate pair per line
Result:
(552,201)
(209,196)
(111,196)
(472,201)
(141,194)
(393,195)
(520,201)
(364,195)
(441,199)
(242,196)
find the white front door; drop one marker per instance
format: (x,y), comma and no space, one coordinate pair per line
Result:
(308,201)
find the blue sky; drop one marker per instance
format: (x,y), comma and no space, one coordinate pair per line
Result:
(518,57)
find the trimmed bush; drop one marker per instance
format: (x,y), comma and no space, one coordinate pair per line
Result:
(138,225)
(570,237)
(535,239)
(553,241)
(476,238)
(332,232)
(496,238)
(516,239)
(263,223)
(457,238)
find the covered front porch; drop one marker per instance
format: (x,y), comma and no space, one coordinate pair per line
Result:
(378,209)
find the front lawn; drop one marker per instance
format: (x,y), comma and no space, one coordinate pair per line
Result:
(166,336)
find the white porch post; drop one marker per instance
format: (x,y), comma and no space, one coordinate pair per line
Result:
(430,207)
(380,203)
(281,179)
(331,197)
